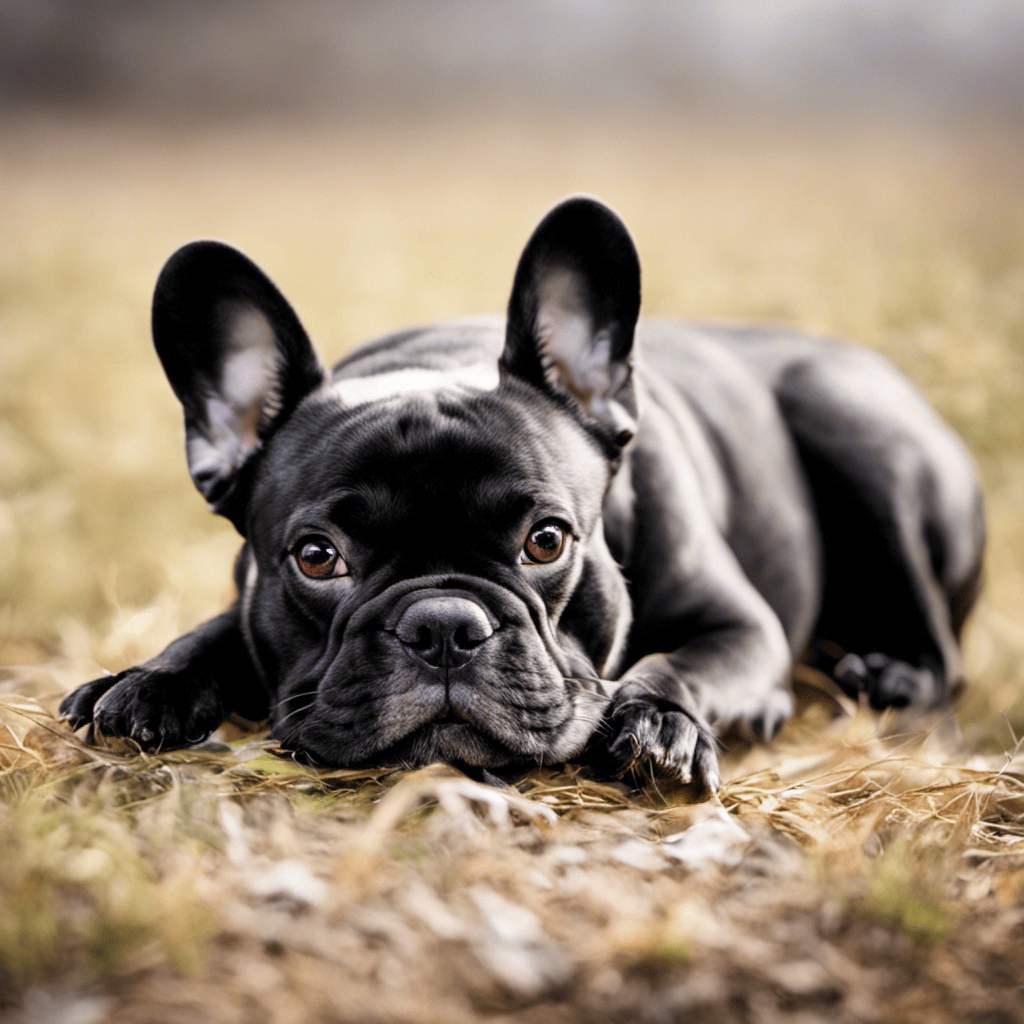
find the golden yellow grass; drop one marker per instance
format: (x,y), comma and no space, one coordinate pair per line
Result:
(881,875)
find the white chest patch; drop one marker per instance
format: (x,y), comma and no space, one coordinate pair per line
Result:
(356,390)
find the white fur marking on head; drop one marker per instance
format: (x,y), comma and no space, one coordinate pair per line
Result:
(356,390)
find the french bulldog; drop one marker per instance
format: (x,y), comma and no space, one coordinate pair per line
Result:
(557,536)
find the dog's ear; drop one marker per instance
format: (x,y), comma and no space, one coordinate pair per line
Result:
(237,358)
(573,311)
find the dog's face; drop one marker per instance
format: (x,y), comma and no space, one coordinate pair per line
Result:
(427,574)
(422,552)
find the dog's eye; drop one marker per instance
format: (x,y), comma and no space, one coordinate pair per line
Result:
(545,543)
(318,558)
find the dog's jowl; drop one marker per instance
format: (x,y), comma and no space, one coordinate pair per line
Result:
(554,536)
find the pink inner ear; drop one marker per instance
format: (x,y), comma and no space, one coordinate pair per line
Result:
(245,400)
(577,359)
(250,375)
(566,338)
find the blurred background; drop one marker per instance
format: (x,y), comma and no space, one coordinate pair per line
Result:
(851,167)
(901,56)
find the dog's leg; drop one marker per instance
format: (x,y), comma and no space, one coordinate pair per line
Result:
(901,517)
(180,696)
(708,652)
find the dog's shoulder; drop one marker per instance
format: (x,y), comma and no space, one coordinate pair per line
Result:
(703,375)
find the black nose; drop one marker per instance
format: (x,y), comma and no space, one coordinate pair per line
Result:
(443,631)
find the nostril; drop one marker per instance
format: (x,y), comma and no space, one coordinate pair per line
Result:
(469,636)
(423,640)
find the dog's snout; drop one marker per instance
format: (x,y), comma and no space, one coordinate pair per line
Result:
(443,631)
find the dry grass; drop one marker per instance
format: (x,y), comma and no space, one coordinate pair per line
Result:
(855,870)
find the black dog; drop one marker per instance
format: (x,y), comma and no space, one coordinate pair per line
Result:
(510,543)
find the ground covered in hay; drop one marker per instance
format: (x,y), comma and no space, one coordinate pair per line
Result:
(857,869)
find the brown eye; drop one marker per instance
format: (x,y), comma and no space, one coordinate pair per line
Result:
(318,558)
(545,543)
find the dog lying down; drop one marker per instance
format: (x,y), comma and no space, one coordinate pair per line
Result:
(557,536)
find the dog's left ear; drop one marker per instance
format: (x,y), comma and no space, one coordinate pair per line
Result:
(573,312)
(237,358)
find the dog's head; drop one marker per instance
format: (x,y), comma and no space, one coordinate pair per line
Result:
(428,576)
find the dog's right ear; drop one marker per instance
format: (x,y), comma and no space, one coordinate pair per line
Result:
(572,315)
(237,358)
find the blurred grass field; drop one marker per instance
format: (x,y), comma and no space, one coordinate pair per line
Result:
(229,886)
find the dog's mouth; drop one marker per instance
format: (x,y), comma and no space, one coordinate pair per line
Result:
(447,723)
(450,739)
(447,717)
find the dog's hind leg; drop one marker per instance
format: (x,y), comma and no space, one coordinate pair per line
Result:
(900,509)
(180,696)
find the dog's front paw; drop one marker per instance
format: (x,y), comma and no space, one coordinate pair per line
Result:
(650,734)
(158,709)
